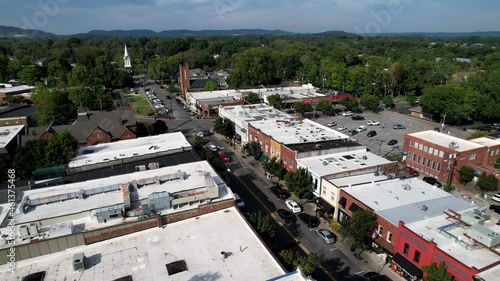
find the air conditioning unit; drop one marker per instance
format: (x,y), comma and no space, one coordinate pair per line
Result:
(78,262)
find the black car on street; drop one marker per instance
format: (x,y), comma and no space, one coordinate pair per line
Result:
(432,181)
(286,215)
(310,221)
(280,192)
(357,117)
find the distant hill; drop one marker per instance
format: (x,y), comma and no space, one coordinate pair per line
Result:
(11,31)
(184,32)
(443,34)
(334,33)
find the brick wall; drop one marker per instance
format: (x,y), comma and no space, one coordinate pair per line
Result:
(98,135)
(288,158)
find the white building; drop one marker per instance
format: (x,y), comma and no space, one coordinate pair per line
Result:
(126,59)
(241,115)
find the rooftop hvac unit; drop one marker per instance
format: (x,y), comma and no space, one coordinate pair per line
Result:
(33,229)
(24,232)
(78,262)
(484,235)
(472,218)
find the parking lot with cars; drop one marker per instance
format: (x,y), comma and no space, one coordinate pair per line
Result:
(389,129)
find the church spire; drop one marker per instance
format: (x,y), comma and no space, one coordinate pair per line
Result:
(126,59)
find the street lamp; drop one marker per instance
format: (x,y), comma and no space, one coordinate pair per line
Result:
(453,146)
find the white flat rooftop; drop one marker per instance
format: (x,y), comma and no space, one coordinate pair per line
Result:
(193,179)
(476,257)
(354,180)
(444,140)
(486,141)
(296,132)
(7,133)
(341,162)
(253,112)
(8,90)
(304,91)
(145,254)
(105,152)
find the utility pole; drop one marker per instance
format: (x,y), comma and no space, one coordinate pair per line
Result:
(380,146)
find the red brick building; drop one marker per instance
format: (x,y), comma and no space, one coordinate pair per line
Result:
(431,153)
(91,128)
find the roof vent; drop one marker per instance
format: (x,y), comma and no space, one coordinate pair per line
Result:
(423,208)
(176,267)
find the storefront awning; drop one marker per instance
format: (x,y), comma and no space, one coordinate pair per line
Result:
(354,207)
(342,201)
(407,266)
(329,209)
(263,157)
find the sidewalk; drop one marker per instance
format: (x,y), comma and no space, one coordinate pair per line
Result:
(369,260)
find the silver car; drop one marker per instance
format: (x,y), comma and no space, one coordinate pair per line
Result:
(326,236)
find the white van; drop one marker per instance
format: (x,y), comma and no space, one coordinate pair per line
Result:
(361,129)
(239,203)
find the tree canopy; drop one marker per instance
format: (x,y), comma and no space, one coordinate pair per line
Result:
(436,272)
(52,104)
(300,183)
(357,229)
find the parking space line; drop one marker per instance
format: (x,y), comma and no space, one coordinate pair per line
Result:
(333,249)
(358,273)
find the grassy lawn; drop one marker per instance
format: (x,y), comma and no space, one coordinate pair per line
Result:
(139,103)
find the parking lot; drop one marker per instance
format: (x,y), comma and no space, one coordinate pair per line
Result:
(385,132)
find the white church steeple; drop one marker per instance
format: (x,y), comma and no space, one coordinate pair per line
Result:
(126,59)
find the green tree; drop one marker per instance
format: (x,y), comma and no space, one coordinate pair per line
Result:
(487,183)
(451,100)
(159,127)
(61,148)
(339,76)
(29,157)
(302,107)
(224,127)
(436,272)
(388,102)
(255,66)
(325,106)
(497,163)
(253,98)
(211,86)
(307,263)
(212,158)
(477,134)
(253,149)
(349,103)
(52,104)
(411,98)
(142,130)
(263,224)
(300,183)
(357,229)
(173,88)
(275,101)
(30,74)
(466,174)
(274,167)
(369,101)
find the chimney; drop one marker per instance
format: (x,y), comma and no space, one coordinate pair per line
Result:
(223,255)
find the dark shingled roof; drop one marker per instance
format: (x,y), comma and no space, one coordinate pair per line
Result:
(200,83)
(114,123)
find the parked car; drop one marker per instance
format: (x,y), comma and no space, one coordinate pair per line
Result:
(398,127)
(239,203)
(213,147)
(293,206)
(495,208)
(371,134)
(347,113)
(286,215)
(331,124)
(224,158)
(372,123)
(433,181)
(280,192)
(357,117)
(496,197)
(411,171)
(326,236)
(341,128)
(352,132)
(392,142)
(361,129)
(374,276)
(310,221)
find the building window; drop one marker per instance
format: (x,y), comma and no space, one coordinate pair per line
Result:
(409,156)
(428,163)
(267,148)
(411,143)
(439,167)
(284,160)
(290,163)
(418,159)
(272,150)
(436,152)
(420,146)
(380,230)
(433,165)
(260,142)
(406,249)
(414,157)
(431,150)
(324,190)
(424,161)
(472,156)
(441,154)
(416,145)
(426,148)
(332,196)
(416,257)
(389,236)
(496,153)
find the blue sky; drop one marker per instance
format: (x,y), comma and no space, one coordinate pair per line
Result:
(359,16)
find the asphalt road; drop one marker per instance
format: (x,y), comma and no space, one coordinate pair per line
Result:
(254,190)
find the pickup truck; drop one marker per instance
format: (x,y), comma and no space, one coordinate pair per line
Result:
(361,129)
